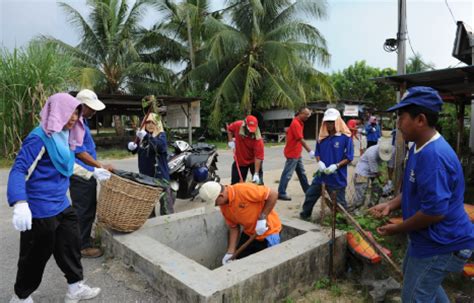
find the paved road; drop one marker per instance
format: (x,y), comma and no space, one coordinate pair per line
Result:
(118,284)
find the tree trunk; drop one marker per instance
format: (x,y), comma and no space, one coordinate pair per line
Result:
(119,130)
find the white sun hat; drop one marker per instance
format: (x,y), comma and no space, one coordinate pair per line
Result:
(331,114)
(385,148)
(89,98)
(209,192)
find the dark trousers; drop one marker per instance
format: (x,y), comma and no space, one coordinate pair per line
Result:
(253,247)
(244,170)
(58,236)
(84,200)
(371,143)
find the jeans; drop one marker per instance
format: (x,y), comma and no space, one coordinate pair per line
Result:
(422,277)
(290,166)
(314,192)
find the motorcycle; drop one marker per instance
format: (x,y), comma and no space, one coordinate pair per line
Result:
(191,166)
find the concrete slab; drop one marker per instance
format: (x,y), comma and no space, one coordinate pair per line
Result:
(180,256)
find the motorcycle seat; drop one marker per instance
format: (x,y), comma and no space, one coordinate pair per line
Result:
(196,159)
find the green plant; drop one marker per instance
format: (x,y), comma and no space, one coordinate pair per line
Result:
(27,78)
(336,290)
(322,283)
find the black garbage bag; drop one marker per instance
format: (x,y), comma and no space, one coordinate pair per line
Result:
(140,178)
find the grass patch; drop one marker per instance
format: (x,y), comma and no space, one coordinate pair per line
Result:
(6,163)
(113,153)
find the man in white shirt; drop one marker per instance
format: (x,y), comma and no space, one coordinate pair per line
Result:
(368,169)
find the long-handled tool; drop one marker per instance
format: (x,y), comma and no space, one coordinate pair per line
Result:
(238,167)
(243,246)
(363,234)
(332,255)
(150,109)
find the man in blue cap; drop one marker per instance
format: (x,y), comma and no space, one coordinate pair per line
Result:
(441,237)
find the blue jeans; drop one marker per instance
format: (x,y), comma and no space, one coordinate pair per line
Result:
(422,277)
(290,166)
(314,192)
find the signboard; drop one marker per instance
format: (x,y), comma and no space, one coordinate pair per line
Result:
(176,115)
(351,110)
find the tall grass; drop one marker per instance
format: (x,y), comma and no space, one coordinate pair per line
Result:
(27,77)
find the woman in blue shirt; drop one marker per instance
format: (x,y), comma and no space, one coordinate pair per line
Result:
(373,131)
(37,187)
(153,158)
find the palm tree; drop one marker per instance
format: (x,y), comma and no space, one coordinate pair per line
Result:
(265,57)
(111,45)
(416,64)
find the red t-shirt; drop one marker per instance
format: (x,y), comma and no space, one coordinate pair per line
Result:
(294,134)
(352,124)
(247,149)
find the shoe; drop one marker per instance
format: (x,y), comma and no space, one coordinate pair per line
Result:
(305,218)
(284,197)
(83,293)
(15,299)
(91,252)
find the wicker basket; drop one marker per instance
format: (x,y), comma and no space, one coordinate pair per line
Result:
(125,205)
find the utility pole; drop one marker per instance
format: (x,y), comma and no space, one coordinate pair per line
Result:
(401,61)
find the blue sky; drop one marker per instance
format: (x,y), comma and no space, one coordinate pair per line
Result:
(354,30)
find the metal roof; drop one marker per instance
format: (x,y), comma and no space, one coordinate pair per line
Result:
(452,83)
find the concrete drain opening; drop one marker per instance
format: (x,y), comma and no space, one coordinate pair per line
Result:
(180,255)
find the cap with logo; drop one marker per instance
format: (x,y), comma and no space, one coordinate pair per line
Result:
(89,98)
(423,96)
(252,123)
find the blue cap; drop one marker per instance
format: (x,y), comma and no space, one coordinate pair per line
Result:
(422,96)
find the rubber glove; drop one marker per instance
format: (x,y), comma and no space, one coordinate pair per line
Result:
(101,174)
(141,134)
(227,259)
(331,169)
(231,144)
(261,227)
(256,179)
(132,146)
(22,218)
(311,154)
(322,166)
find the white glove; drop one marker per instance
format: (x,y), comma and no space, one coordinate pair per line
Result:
(261,227)
(22,216)
(231,144)
(227,259)
(101,174)
(256,178)
(322,166)
(141,134)
(331,169)
(311,154)
(132,146)
(373,129)
(388,187)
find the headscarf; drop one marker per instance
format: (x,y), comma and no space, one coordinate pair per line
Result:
(339,124)
(155,119)
(56,113)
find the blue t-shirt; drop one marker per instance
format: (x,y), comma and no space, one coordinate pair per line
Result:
(433,183)
(87,146)
(332,150)
(373,132)
(46,188)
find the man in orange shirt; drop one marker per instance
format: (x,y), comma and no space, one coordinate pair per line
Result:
(247,205)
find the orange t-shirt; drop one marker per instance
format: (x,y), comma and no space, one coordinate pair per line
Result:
(246,201)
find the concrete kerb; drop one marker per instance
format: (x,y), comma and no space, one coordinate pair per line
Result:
(265,276)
